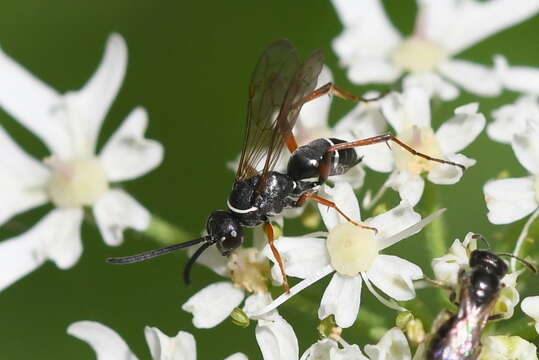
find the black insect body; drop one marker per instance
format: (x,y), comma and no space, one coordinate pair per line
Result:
(458,338)
(280,85)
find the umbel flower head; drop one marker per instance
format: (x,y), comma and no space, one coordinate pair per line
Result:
(352,255)
(374,51)
(73,176)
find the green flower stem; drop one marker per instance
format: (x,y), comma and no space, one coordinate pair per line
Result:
(166,233)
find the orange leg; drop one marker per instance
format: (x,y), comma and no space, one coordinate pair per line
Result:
(269,233)
(332,205)
(331,89)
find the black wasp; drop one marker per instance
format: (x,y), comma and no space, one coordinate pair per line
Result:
(458,338)
(280,85)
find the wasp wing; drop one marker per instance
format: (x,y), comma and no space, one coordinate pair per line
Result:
(269,84)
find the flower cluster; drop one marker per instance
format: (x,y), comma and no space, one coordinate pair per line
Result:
(81,183)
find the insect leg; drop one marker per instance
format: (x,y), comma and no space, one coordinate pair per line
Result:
(325,164)
(331,89)
(332,205)
(269,233)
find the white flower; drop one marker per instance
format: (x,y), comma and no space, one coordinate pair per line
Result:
(513,118)
(328,349)
(530,306)
(73,176)
(374,51)
(409,114)
(447,269)
(507,348)
(353,255)
(392,346)
(523,79)
(509,200)
(108,345)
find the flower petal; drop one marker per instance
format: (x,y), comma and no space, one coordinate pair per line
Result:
(392,346)
(459,131)
(89,106)
(31,102)
(530,307)
(407,109)
(526,147)
(394,276)
(258,301)
(512,119)
(445,174)
(316,113)
(393,221)
(117,210)
(211,305)
(237,356)
(475,78)
(344,197)
(107,344)
(523,79)
(341,298)
(128,155)
(433,83)
(320,350)
(162,347)
(409,186)
(23,179)
(509,200)
(376,71)
(277,340)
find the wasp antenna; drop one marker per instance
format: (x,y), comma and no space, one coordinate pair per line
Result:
(191,262)
(154,253)
(527,263)
(482,238)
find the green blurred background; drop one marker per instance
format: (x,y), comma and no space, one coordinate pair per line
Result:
(189,65)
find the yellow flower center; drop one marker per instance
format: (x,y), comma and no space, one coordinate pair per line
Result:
(423,140)
(248,270)
(75,183)
(351,249)
(418,55)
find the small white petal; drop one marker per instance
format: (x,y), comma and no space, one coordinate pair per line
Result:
(445,174)
(88,107)
(344,197)
(473,21)
(117,210)
(277,340)
(475,78)
(237,356)
(530,306)
(320,350)
(512,119)
(459,131)
(107,344)
(392,222)
(351,352)
(128,155)
(410,186)
(316,113)
(213,304)
(301,255)
(526,147)
(517,78)
(22,179)
(211,258)
(341,298)
(258,301)
(378,71)
(407,109)
(162,347)
(509,200)
(31,102)
(394,276)
(413,229)
(392,346)
(433,83)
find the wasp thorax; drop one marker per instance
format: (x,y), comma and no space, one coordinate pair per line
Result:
(418,55)
(76,182)
(351,249)
(422,140)
(249,270)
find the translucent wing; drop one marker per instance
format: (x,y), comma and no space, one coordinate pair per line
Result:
(269,84)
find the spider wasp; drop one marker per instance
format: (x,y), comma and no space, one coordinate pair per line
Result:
(458,337)
(281,84)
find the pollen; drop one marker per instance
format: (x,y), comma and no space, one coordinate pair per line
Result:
(351,249)
(75,183)
(248,270)
(423,140)
(418,55)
